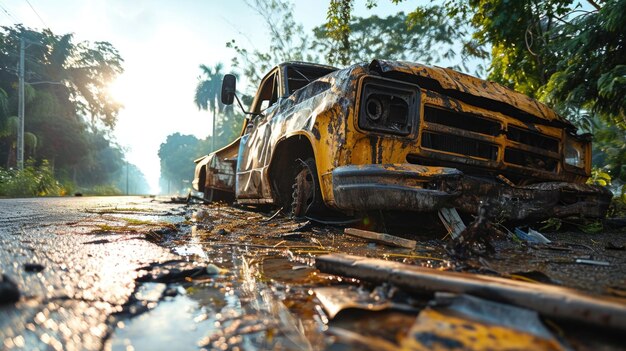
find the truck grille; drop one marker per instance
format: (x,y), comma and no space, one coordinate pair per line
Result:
(534,139)
(459,145)
(472,139)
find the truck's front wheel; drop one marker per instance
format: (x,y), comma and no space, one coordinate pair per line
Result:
(306,196)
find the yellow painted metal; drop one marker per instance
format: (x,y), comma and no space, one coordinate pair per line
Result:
(434,330)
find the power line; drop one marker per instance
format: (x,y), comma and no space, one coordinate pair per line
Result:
(37,13)
(4,9)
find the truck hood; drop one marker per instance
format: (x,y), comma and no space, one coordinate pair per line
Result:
(476,90)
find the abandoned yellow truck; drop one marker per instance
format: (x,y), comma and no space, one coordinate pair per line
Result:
(400,136)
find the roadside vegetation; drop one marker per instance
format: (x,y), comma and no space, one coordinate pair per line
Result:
(69,117)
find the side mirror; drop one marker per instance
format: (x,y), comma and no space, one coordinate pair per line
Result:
(229,85)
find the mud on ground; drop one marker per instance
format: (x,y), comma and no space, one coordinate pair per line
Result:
(260,293)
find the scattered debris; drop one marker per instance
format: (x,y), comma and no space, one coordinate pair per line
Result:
(532,236)
(552,301)
(201,199)
(212,269)
(592,262)
(533,277)
(179,199)
(98,242)
(452,221)
(358,341)
(381,238)
(291,236)
(274,215)
(466,322)
(9,292)
(335,299)
(222,231)
(170,271)
(33,267)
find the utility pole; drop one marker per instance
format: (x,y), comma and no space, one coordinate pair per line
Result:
(213,135)
(20,111)
(126,177)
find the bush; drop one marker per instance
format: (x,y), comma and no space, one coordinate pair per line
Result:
(103,190)
(31,181)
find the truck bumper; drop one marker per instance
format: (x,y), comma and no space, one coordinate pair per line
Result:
(409,187)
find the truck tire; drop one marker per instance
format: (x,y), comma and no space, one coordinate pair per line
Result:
(306,196)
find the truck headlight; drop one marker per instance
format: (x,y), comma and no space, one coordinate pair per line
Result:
(574,153)
(388,106)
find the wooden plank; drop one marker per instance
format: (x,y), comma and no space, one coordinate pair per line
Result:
(548,300)
(381,238)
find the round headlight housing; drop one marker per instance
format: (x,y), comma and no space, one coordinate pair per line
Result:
(374,109)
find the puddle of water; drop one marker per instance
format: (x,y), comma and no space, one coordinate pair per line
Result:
(155,218)
(178,324)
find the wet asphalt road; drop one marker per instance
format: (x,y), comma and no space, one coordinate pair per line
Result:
(86,274)
(133,273)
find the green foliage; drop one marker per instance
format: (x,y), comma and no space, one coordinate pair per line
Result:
(609,150)
(103,190)
(426,35)
(337,30)
(208,97)
(77,73)
(617,208)
(590,70)
(599,177)
(177,154)
(288,41)
(68,112)
(33,180)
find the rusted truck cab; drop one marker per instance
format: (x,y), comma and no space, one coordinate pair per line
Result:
(399,136)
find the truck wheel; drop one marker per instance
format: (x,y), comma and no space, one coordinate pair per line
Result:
(306,195)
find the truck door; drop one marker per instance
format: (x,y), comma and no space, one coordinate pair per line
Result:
(254,148)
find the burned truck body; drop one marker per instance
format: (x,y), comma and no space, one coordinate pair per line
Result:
(399,136)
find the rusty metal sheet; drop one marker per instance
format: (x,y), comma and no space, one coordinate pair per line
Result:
(437,330)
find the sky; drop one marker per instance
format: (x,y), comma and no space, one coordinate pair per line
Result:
(162,43)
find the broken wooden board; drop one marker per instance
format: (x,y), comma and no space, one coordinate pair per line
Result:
(551,301)
(452,221)
(381,238)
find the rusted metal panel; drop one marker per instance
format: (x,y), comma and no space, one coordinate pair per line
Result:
(219,168)
(420,188)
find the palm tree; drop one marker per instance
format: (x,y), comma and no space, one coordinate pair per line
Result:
(208,93)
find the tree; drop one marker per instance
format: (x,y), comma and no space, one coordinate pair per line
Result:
(337,29)
(571,57)
(426,35)
(288,41)
(226,124)
(68,112)
(177,154)
(208,93)
(77,73)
